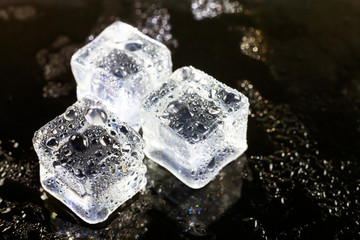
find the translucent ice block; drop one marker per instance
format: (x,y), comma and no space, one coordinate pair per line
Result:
(89,160)
(120,67)
(194,125)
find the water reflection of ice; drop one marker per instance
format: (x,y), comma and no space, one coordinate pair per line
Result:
(55,62)
(154,20)
(202,9)
(193,210)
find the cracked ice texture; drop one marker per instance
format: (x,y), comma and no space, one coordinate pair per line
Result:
(194,125)
(120,67)
(89,160)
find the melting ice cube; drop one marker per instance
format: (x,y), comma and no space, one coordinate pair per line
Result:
(194,125)
(89,160)
(120,67)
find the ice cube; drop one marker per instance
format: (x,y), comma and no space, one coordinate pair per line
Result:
(194,125)
(89,160)
(120,67)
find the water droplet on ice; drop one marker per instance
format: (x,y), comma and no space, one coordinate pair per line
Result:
(211,164)
(214,110)
(96,116)
(78,173)
(202,129)
(174,107)
(52,142)
(79,142)
(124,130)
(98,153)
(126,148)
(105,140)
(70,115)
(231,98)
(63,162)
(195,137)
(120,73)
(178,126)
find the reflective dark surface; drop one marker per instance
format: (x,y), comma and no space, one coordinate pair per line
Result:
(297,61)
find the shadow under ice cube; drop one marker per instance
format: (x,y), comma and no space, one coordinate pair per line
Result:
(194,125)
(120,67)
(89,160)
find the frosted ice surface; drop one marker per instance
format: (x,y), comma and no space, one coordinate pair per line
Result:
(120,67)
(194,125)
(89,160)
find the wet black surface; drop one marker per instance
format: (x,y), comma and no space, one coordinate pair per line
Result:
(299,64)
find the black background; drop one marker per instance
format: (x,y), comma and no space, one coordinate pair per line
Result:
(302,79)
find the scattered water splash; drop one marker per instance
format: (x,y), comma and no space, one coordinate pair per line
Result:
(128,222)
(154,21)
(203,9)
(149,17)
(57,89)
(55,62)
(20,13)
(21,171)
(29,221)
(14,143)
(23,218)
(191,208)
(297,162)
(4,154)
(252,42)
